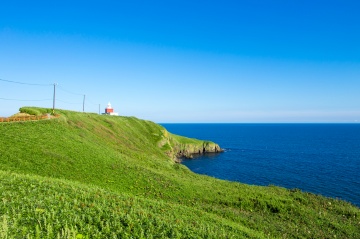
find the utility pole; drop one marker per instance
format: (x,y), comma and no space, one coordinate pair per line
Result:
(99,108)
(53,110)
(84,104)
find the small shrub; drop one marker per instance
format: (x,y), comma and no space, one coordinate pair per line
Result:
(30,111)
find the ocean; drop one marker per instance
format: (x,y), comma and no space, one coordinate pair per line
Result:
(318,158)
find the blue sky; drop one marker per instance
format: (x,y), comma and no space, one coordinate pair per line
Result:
(185,61)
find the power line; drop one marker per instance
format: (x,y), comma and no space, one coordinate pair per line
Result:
(54,97)
(70,103)
(69,92)
(91,103)
(23,100)
(22,83)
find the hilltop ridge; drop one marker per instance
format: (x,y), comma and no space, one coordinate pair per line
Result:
(105,176)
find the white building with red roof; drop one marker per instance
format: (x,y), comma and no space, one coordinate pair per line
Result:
(109,110)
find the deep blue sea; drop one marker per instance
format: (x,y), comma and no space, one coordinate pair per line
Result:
(318,158)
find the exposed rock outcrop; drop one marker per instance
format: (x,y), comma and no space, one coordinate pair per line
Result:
(178,147)
(189,150)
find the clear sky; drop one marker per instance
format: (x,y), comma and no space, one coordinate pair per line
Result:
(185,61)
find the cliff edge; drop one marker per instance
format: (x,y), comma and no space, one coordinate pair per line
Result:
(178,147)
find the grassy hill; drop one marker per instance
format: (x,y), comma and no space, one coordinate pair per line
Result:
(89,176)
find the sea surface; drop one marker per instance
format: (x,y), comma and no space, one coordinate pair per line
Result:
(317,158)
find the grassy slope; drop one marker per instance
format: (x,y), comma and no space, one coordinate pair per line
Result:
(128,159)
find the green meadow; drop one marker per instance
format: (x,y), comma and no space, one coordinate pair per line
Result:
(84,175)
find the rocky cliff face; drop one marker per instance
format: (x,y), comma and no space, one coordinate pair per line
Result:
(188,150)
(178,147)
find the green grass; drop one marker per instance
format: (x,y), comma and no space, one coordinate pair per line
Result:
(39,207)
(125,161)
(35,111)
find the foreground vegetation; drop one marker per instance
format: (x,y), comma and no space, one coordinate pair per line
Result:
(90,176)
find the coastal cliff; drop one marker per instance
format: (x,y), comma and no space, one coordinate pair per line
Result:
(178,147)
(188,150)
